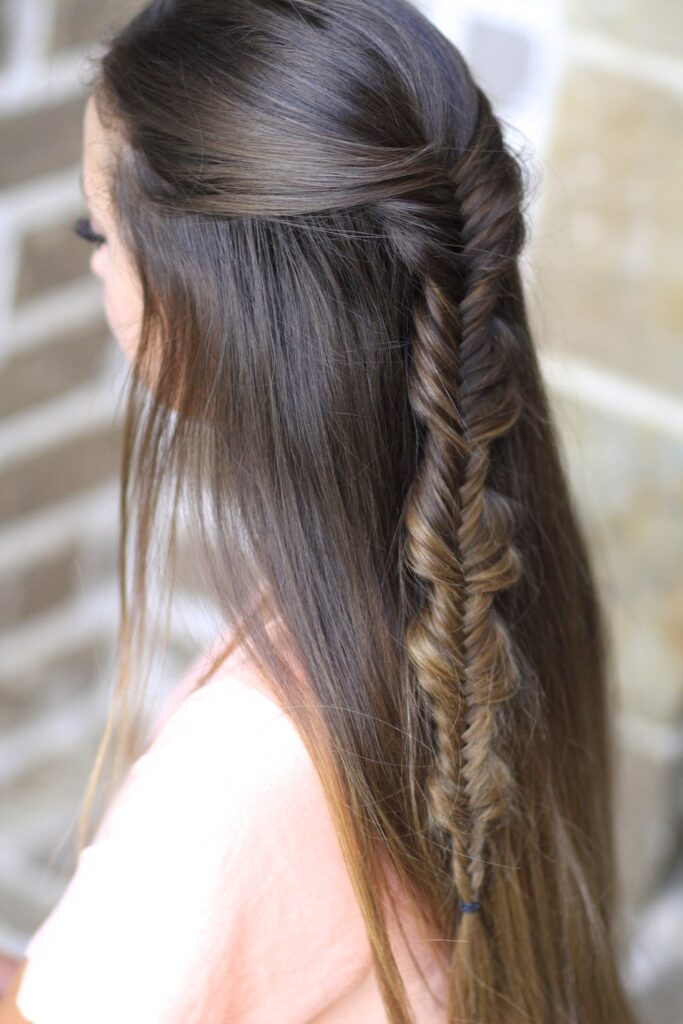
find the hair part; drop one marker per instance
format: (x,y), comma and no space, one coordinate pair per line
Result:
(337,380)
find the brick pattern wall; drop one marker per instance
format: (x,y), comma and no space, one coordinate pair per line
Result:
(596,94)
(61,374)
(607,250)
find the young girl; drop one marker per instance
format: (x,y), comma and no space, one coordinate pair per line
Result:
(384,794)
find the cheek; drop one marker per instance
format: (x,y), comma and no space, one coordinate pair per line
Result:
(122,303)
(123,313)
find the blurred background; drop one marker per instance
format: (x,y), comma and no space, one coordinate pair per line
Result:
(591,96)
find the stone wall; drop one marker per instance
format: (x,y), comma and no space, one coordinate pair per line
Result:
(61,375)
(608,251)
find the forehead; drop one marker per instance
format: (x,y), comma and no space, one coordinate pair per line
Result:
(95,149)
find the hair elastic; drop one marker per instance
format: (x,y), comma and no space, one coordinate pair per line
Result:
(469,908)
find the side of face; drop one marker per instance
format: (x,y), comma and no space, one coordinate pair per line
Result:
(110,262)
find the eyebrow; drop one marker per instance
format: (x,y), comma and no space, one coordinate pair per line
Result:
(93,210)
(85,195)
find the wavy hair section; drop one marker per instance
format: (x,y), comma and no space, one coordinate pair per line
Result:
(336,385)
(467,391)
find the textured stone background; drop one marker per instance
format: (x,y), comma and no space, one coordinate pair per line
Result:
(593,94)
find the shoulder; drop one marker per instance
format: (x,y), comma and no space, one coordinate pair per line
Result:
(220,856)
(226,755)
(9,1010)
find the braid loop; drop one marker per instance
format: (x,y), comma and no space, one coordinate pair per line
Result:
(460,531)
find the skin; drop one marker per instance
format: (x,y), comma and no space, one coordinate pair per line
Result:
(12,974)
(8,965)
(110,262)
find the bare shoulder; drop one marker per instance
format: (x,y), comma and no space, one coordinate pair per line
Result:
(9,1012)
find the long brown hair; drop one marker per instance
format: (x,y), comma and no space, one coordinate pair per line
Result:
(327,223)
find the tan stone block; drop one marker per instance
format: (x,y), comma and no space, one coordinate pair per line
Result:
(39,374)
(633,22)
(98,560)
(40,142)
(22,909)
(49,257)
(77,22)
(56,850)
(628,485)
(648,778)
(37,588)
(662,1002)
(606,253)
(47,684)
(56,473)
(4,34)
(54,779)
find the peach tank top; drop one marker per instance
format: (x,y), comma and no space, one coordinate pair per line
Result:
(214,890)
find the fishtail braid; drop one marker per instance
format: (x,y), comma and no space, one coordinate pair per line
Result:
(459,531)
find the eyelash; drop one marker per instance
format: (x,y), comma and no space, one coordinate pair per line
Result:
(83,228)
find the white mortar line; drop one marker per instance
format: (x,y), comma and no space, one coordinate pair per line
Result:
(650,67)
(33,83)
(658,939)
(42,200)
(59,730)
(36,833)
(29,24)
(607,391)
(12,941)
(524,14)
(659,741)
(75,414)
(68,627)
(9,254)
(95,615)
(35,537)
(46,736)
(67,307)
(32,883)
